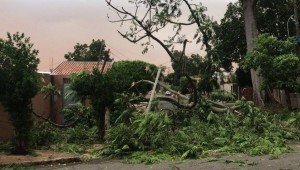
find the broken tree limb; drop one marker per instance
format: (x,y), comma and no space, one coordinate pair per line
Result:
(55,124)
(153,91)
(218,107)
(164,86)
(223,108)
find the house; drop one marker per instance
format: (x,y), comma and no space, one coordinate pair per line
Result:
(60,77)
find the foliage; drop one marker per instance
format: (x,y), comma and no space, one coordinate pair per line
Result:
(124,73)
(101,88)
(122,108)
(78,113)
(243,78)
(19,83)
(253,132)
(224,96)
(195,66)
(184,85)
(47,136)
(150,130)
(158,17)
(96,88)
(76,139)
(294,120)
(208,84)
(230,41)
(83,131)
(147,158)
(93,52)
(5,147)
(192,65)
(278,63)
(50,90)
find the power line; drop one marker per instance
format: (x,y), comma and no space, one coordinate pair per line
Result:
(118,51)
(166,63)
(115,55)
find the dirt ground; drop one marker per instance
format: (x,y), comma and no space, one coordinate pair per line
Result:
(39,157)
(236,161)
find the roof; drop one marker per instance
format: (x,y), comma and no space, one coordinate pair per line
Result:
(70,67)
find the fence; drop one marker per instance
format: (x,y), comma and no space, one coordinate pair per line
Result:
(280,96)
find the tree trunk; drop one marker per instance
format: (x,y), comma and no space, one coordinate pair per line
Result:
(288,98)
(101,125)
(251,33)
(295,5)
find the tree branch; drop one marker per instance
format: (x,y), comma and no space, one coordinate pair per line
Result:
(180,23)
(55,124)
(133,41)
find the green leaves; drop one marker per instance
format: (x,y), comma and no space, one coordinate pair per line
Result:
(19,83)
(93,52)
(277,62)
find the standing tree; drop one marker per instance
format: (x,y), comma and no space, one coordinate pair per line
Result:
(251,33)
(19,83)
(230,40)
(273,17)
(152,16)
(93,52)
(193,65)
(279,65)
(101,88)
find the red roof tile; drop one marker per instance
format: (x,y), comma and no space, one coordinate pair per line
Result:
(70,67)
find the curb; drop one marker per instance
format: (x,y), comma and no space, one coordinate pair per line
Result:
(43,162)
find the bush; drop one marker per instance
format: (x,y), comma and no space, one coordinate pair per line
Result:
(223,96)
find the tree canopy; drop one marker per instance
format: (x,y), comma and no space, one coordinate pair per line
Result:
(19,83)
(96,51)
(101,88)
(230,40)
(278,62)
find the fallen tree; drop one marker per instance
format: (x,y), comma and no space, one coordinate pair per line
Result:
(215,106)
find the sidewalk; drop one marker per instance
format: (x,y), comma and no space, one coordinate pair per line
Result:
(41,157)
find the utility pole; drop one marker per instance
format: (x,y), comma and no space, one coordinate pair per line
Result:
(106,57)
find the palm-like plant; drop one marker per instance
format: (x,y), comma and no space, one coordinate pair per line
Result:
(52,91)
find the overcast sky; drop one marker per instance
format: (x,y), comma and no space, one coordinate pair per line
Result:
(55,26)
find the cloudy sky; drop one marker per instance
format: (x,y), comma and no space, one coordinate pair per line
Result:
(55,26)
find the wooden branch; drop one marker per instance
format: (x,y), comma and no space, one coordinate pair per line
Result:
(180,23)
(197,20)
(121,20)
(55,124)
(146,14)
(115,8)
(218,108)
(164,86)
(133,41)
(173,101)
(223,108)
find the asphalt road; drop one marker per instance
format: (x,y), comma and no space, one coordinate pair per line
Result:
(235,161)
